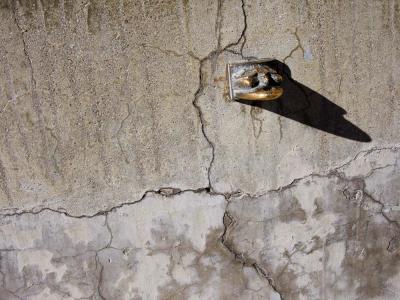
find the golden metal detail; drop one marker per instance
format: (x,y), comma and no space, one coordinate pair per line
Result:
(254,81)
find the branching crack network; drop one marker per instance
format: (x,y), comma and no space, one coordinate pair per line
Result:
(228,220)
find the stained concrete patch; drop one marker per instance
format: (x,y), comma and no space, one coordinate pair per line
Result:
(127,173)
(160,248)
(325,236)
(50,256)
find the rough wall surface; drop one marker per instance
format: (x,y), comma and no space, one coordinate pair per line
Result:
(127,173)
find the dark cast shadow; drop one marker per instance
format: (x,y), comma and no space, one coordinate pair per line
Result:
(306,106)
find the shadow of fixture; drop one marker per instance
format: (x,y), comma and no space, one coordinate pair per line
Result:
(306,106)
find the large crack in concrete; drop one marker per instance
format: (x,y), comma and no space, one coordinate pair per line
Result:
(173,191)
(165,191)
(229,223)
(212,57)
(228,220)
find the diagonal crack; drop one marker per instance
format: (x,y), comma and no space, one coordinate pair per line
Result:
(382,212)
(333,172)
(117,133)
(229,223)
(28,58)
(298,46)
(242,37)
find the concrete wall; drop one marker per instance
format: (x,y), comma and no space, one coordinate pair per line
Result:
(127,173)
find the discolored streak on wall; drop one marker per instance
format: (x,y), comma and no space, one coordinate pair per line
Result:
(127,173)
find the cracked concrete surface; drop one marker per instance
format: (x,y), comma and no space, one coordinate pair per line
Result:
(127,173)
(163,247)
(325,236)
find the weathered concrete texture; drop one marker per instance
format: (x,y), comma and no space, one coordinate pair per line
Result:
(347,51)
(127,173)
(160,248)
(96,99)
(332,236)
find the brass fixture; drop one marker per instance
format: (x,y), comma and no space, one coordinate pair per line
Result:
(254,81)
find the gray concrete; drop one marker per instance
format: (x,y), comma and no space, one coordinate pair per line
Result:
(127,173)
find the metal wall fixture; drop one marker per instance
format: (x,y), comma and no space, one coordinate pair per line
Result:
(253,81)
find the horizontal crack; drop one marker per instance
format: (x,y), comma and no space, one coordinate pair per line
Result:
(298,46)
(228,220)
(334,172)
(104,212)
(172,191)
(164,191)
